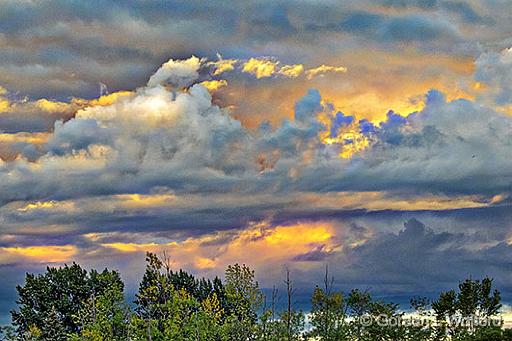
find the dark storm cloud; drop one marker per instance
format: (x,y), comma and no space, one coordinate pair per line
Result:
(415,259)
(418,254)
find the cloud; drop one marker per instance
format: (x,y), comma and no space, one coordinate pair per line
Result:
(416,27)
(465,11)
(291,71)
(409,259)
(269,67)
(423,4)
(261,68)
(161,167)
(410,26)
(223,65)
(41,254)
(432,150)
(50,49)
(323,69)
(494,70)
(179,139)
(29,145)
(214,85)
(179,74)
(419,254)
(22,115)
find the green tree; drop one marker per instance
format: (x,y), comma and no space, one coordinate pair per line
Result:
(53,298)
(244,299)
(177,306)
(212,319)
(7,333)
(456,313)
(328,313)
(104,317)
(358,303)
(384,323)
(421,331)
(269,327)
(153,301)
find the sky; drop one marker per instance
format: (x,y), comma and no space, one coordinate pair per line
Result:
(374,137)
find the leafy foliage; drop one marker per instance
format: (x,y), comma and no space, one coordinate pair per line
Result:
(70,303)
(48,302)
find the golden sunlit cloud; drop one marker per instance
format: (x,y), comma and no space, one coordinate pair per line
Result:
(323,69)
(133,247)
(291,71)
(214,85)
(51,106)
(38,205)
(4,104)
(273,245)
(38,254)
(223,65)
(108,99)
(261,68)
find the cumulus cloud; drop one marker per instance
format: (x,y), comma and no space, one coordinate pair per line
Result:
(180,73)
(446,147)
(179,139)
(167,161)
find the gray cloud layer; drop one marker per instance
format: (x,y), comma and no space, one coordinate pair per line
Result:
(60,48)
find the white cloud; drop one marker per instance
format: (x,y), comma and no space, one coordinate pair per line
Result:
(177,73)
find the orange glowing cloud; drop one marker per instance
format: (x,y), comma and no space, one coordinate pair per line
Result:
(38,254)
(259,245)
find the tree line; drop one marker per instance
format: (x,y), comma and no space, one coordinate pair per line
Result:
(70,303)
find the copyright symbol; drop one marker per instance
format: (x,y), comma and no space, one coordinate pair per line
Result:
(366,320)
